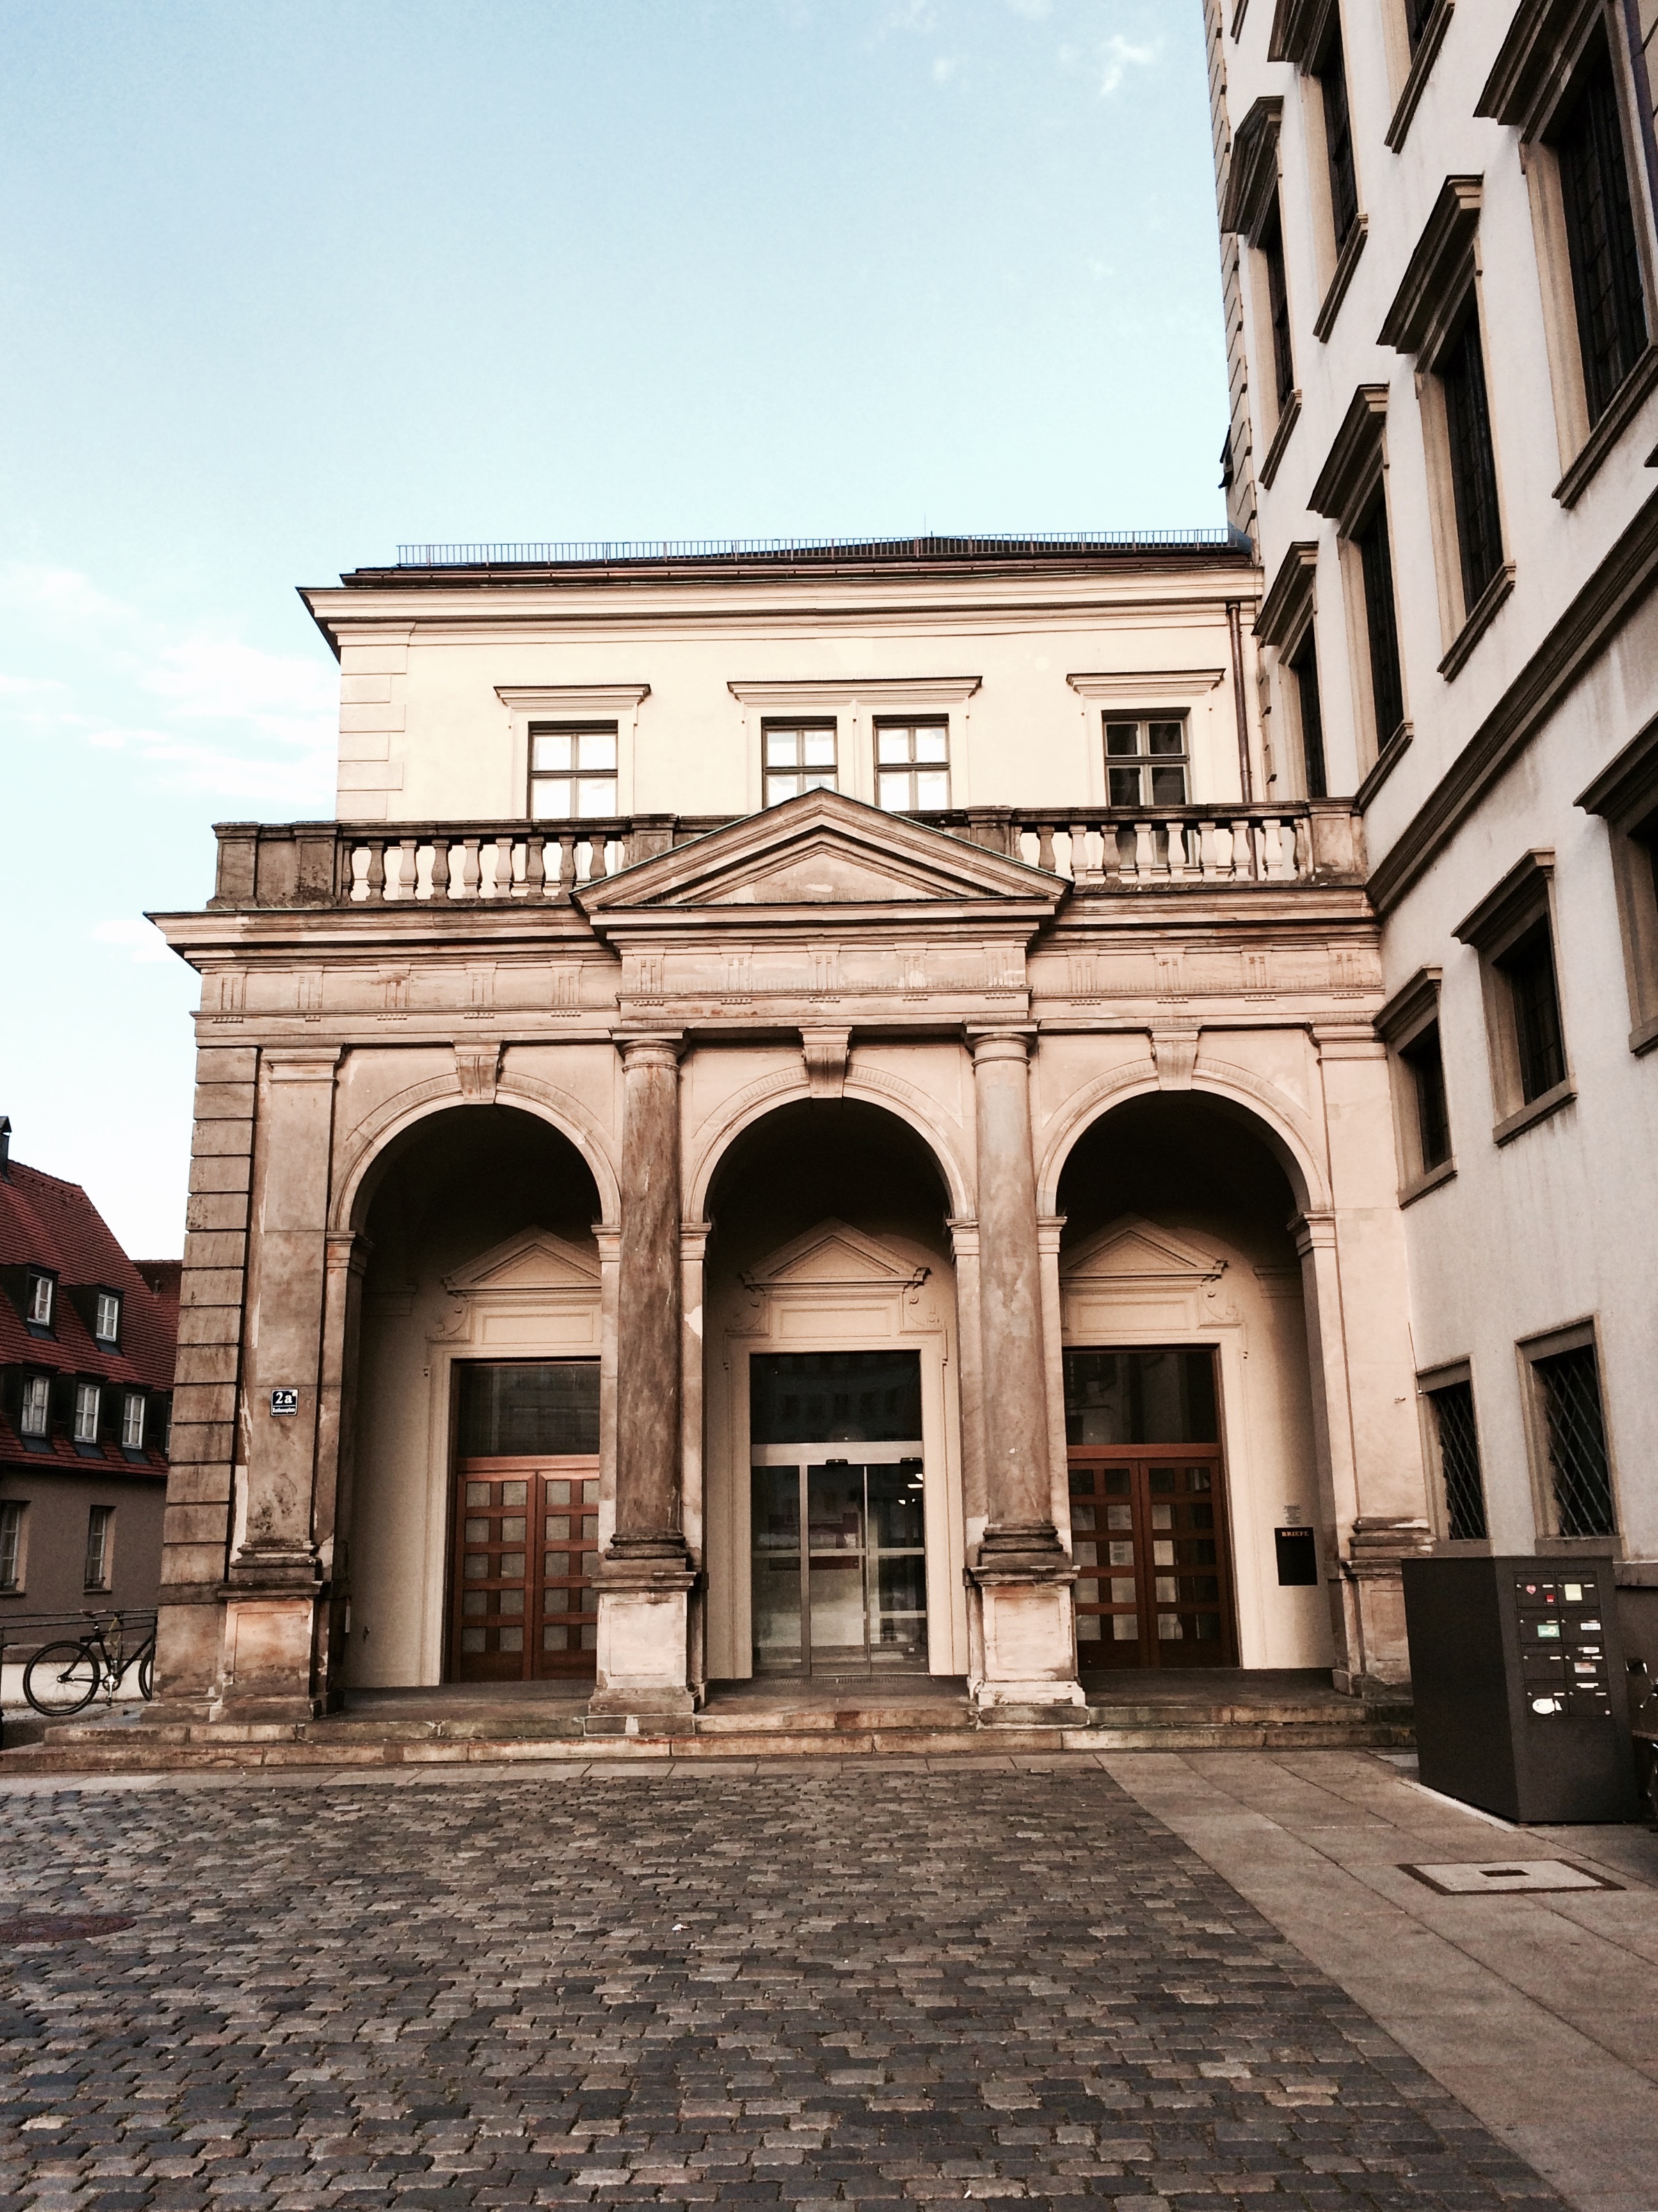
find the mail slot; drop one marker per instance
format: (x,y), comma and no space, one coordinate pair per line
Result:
(1518,1679)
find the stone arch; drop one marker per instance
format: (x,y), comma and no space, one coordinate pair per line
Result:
(1288,1133)
(713,1142)
(365,1148)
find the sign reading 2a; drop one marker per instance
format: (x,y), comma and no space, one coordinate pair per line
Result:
(285,1399)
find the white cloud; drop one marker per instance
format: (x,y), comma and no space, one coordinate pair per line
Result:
(13,684)
(1115,56)
(289,700)
(946,67)
(1035,10)
(147,943)
(62,601)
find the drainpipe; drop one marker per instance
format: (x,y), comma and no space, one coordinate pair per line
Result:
(1239,701)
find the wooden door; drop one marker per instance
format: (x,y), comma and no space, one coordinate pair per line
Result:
(1149,1533)
(522,1605)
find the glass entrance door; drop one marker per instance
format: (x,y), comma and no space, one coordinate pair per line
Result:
(851,1597)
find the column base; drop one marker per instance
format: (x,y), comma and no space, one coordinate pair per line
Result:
(1376,1660)
(643,1682)
(268,1641)
(1025,1641)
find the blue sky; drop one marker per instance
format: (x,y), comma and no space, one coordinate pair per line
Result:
(286,283)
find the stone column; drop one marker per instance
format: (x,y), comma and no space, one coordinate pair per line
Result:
(347,1262)
(1023,1573)
(645,1578)
(274,1581)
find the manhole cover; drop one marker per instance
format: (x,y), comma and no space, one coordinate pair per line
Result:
(60,1926)
(1507,1877)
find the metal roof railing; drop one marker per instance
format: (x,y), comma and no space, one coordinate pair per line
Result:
(557,552)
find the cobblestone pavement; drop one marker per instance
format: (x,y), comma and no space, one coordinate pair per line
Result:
(804,1986)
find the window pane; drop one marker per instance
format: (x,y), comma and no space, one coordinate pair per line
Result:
(1169,787)
(132,1421)
(552,750)
(781,786)
(895,791)
(1539,1046)
(782,748)
(823,1397)
(1312,719)
(528,1411)
(1141,1398)
(1169,738)
(931,789)
(818,783)
(1473,461)
(37,1405)
(550,799)
(1125,784)
(1576,1441)
(818,748)
(597,796)
(1122,739)
(1381,623)
(1424,1059)
(86,1412)
(1459,1461)
(595,749)
(932,745)
(892,745)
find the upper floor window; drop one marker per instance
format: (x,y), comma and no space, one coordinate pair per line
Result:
(1381,620)
(11,1544)
(1304,667)
(35,1417)
(1145,764)
(132,1420)
(1626,795)
(1271,249)
(1418,14)
(1461,372)
(1331,70)
(106,1326)
(1527,967)
(88,1397)
(572,771)
(1587,141)
(1566,1421)
(799,757)
(912,766)
(100,1547)
(1513,932)
(39,1298)
(1422,1119)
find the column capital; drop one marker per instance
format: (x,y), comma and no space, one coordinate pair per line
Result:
(1313,1232)
(650,1047)
(301,1063)
(1005,1043)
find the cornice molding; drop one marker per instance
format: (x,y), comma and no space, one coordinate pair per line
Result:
(1411,1005)
(1252,179)
(1621,583)
(1538,47)
(1438,272)
(572,698)
(821,691)
(1291,598)
(1509,904)
(1354,460)
(1627,787)
(1148,686)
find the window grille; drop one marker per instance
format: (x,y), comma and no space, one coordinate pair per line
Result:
(1576,1438)
(101,1534)
(1459,1461)
(1305,666)
(799,757)
(1473,460)
(35,1419)
(11,1544)
(1538,1040)
(913,766)
(1381,623)
(1145,764)
(132,1421)
(86,1395)
(1606,263)
(572,772)
(1424,1058)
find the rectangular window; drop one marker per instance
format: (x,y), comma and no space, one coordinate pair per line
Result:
(108,1326)
(572,771)
(100,1547)
(1381,622)
(132,1420)
(1332,73)
(1277,301)
(1425,1066)
(86,1397)
(1574,1438)
(1162,1397)
(1527,968)
(1461,373)
(1458,1441)
(529,1410)
(39,1300)
(1417,15)
(11,1545)
(1145,764)
(35,1419)
(912,763)
(799,757)
(1606,265)
(1304,667)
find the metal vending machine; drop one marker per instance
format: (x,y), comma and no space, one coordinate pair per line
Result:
(1517,1673)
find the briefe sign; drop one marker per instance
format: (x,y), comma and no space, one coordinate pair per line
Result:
(285,1399)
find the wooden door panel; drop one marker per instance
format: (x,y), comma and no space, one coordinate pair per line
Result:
(1149,1534)
(522,1605)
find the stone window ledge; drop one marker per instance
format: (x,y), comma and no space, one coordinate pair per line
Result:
(1386,762)
(1444,1173)
(1626,404)
(1480,617)
(1427,52)
(1281,436)
(1540,1110)
(1346,263)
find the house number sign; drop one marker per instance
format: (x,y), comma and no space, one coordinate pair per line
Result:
(285,1399)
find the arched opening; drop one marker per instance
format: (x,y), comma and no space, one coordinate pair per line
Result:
(474,1429)
(1197,1521)
(832,1428)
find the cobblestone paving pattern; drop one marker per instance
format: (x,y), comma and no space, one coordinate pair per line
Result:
(808,1985)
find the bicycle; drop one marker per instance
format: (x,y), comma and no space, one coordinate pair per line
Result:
(64,1678)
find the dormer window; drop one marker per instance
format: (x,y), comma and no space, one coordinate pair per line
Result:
(35,1417)
(132,1421)
(107,1326)
(39,1298)
(88,1397)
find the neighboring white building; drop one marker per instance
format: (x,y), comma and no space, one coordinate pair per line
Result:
(1442,283)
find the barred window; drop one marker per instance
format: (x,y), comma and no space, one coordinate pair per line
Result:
(1606,263)
(1527,967)
(1458,1439)
(1575,1439)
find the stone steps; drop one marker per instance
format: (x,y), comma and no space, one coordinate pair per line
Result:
(939,1728)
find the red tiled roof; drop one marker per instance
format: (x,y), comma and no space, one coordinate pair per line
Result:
(48,1224)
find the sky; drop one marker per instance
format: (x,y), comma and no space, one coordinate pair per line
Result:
(284,285)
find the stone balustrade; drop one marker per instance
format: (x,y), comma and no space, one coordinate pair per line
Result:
(1113,849)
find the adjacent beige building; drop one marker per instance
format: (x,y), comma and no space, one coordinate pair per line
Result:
(819,1112)
(1441,286)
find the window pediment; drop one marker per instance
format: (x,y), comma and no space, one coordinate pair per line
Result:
(1436,282)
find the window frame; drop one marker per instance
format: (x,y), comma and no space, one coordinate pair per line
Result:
(87,1393)
(575,775)
(1410,60)
(1350,491)
(1450,1375)
(1624,795)
(1530,1352)
(1287,627)
(1146,762)
(29,1382)
(101,1520)
(1251,207)
(36,1280)
(1405,1020)
(913,767)
(1540,72)
(129,1401)
(1312,34)
(14,1519)
(99,1333)
(807,779)
(1524,898)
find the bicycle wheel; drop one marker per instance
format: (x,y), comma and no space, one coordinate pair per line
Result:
(62,1679)
(147,1675)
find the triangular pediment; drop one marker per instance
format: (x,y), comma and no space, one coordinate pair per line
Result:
(534,1259)
(1129,1249)
(830,1254)
(821,848)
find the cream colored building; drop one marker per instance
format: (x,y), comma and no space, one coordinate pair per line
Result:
(817,1112)
(1442,284)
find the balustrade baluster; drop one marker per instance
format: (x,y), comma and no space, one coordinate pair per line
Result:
(440,868)
(503,867)
(1045,845)
(374,880)
(1280,863)
(1208,853)
(1081,867)
(470,872)
(535,874)
(408,868)
(596,865)
(1303,856)
(1145,852)
(1175,850)
(1244,851)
